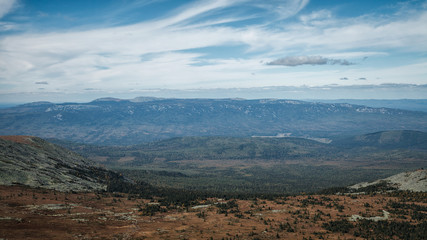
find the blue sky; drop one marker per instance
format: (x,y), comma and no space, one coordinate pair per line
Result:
(60,50)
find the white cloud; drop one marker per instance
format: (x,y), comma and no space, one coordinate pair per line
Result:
(283,8)
(194,10)
(346,35)
(7,26)
(354,54)
(316,16)
(6,6)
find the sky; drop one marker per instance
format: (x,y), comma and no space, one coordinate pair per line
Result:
(80,50)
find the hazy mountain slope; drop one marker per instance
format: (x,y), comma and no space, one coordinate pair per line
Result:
(402,139)
(34,162)
(391,149)
(234,148)
(204,148)
(115,121)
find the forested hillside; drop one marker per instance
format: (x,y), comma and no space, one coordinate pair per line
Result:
(263,165)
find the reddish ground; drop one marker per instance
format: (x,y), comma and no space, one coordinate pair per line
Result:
(27,213)
(18,139)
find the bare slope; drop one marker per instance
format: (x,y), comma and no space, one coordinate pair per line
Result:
(34,162)
(408,181)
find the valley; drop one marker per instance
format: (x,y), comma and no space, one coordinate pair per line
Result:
(262,165)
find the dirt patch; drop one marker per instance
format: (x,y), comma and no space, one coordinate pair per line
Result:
(18,139)
(126,159)
(99,159)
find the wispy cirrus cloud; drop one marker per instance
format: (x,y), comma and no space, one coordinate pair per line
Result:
(282,8)
(115,58)
(6,6)
(293,61)
(193,10)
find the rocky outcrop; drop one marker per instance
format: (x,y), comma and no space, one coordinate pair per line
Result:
(408,181)
(355,218)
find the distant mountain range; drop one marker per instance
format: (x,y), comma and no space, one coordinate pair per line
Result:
(111,121)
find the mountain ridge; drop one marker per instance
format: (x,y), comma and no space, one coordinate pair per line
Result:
(125,122)
(407,104)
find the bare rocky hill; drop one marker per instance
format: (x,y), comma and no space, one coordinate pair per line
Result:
(34,162)
(407,181)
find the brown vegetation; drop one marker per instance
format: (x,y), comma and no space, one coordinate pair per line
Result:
(46,214)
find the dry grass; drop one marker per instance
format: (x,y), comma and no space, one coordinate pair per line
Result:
(44,214)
